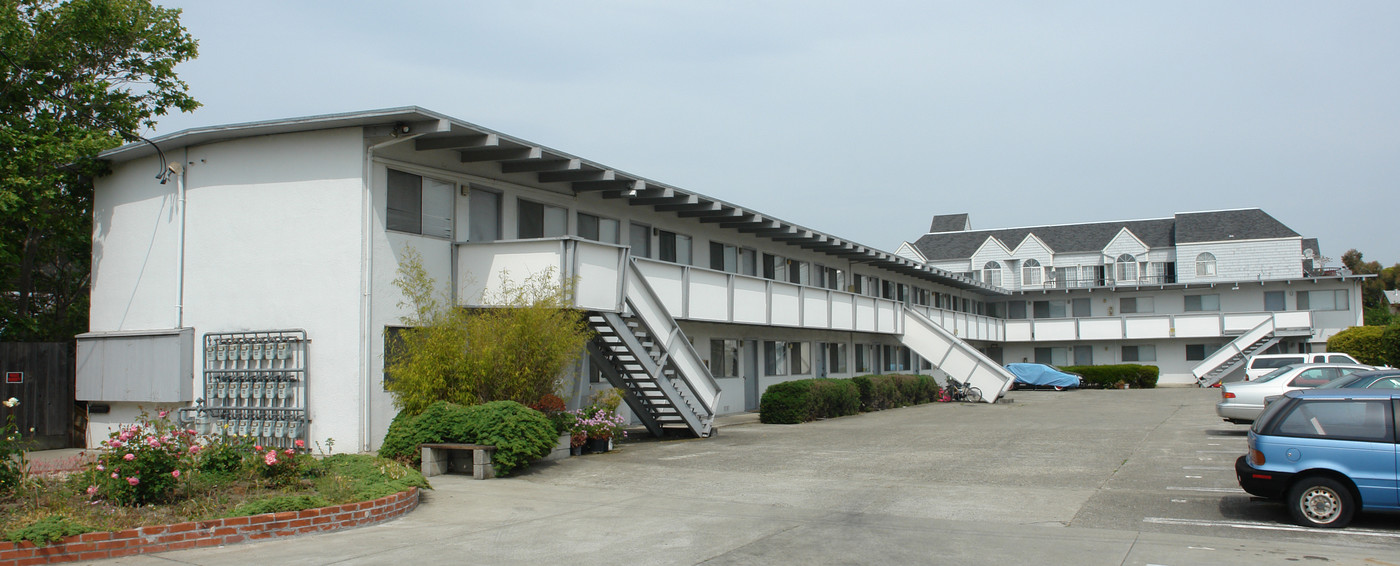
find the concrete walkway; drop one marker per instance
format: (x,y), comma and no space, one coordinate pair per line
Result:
(1081,478)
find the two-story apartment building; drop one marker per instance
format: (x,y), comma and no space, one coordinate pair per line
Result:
(1192,294)
(247,270)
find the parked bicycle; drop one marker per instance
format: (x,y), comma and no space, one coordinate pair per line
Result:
(963,391)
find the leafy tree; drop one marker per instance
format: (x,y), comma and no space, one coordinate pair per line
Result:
(76,77)
(516,351)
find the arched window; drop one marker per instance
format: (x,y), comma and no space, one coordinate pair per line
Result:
(1126,269)
(1031,272)
(991,274)
(1205,265)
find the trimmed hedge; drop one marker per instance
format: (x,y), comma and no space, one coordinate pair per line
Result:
(1135,375)
(519,433)
(1371,345)
(792,402)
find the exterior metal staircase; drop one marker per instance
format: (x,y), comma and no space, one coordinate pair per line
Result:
(643,352)
(954,357)
(1233,355)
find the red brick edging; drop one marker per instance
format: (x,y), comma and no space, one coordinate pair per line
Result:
(216,532)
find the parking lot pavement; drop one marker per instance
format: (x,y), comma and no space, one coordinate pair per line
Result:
(1077,477)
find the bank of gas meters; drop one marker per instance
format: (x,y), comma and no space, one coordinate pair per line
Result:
(255,386)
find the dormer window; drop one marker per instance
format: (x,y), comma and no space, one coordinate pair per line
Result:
(1126,269)
(991,274)
(1205,265)
(1031,273)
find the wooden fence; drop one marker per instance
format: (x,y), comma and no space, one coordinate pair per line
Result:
(41,376)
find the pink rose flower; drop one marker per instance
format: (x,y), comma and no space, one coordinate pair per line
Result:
(129,457)
(133,481)
(100,468)
(300,443)
(289,451)
(114,475)
(92,489)
(163,413)
(175,473)
(257,448)
(271,457)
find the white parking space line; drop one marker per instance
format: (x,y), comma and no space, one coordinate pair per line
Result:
(1269,527)
(1207,489)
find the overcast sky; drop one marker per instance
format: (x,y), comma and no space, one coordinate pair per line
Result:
(865,119)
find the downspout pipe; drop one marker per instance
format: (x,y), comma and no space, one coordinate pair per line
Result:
(367,282)
(180,182)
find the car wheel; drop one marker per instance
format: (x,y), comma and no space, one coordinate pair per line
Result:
(1320,502)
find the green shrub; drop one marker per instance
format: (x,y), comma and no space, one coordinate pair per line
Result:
(46,530)
(279,504)
(866,388)
(1365,343)
(519,433)
(1390,344)
(833,398)
(1135,375)
(786,402)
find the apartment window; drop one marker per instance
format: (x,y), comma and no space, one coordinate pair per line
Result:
(1197,352)
(1052,356)
(1125,268)
(1139,353)
(1205,265)
(1050,309)
(1132,305)
(484,215)
(1016,310)
(835,358)
(1335,300)
(897,358)
(1195,303)
(775,360)
(1161,272)
(1273,301)
(775,267)
(732,259)
(639,238)
(1067,276)
(867,285)
(724,358)
(1031,272)
(537,220)
(863,358)
(991,274)
(673,247)
(598,228)
(748,261)
(800,272)
(799,358)
(419,205)
(831,278)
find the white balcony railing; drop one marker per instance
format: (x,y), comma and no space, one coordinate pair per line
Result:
(597,272)
(1148,327)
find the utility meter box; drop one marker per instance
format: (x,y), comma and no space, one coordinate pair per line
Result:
(155,366)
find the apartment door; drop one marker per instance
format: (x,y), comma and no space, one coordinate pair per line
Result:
(750,353)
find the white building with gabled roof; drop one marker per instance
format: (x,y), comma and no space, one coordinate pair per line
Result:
(1192,294)
(244,272)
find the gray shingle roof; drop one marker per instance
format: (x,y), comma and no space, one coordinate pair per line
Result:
(1249,224)
(1223,225)
(950,223)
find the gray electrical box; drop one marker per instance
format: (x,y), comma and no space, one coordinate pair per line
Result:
(155,366)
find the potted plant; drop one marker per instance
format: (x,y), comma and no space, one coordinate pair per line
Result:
(595,427)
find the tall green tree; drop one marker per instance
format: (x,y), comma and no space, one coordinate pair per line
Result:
(76,77)
(1370,288)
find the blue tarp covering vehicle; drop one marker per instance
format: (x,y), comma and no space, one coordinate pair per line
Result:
(1041,375)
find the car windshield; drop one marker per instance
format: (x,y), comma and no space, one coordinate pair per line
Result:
(1262,363)
(1348,381)
(1273,374)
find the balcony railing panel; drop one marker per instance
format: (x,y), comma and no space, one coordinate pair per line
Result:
(1019,331)
(1055,330)
(709,296)
(1198,326)
(842,310)
(483,268)
(786,304)
(1241,323)
(667,280)
(816,307)
(1100,329)
(750,300)
(1135,328)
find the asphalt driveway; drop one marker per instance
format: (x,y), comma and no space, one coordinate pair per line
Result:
(1076,477)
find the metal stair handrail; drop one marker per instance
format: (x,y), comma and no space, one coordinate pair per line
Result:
(984,373)
(1234,348)
(643,302)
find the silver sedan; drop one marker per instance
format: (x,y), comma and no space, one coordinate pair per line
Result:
(1242,402)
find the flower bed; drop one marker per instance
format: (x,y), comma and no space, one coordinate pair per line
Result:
(216,532)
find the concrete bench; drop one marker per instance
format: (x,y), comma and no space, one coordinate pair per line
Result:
(440,459)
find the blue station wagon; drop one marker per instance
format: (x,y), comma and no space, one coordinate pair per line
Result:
(1326,453)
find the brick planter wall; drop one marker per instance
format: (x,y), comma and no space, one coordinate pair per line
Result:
(217,532)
